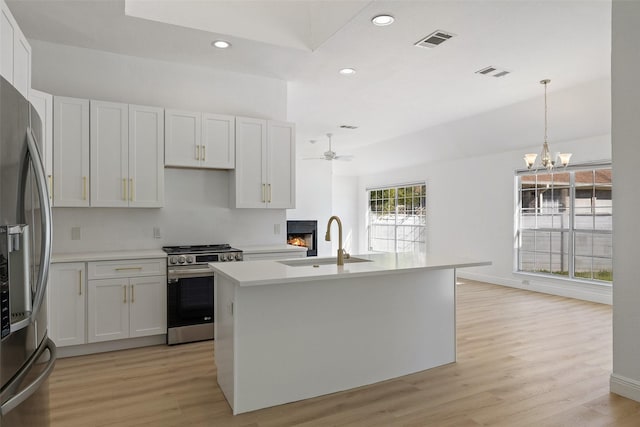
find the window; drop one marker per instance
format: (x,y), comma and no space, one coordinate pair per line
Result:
(397,218)
(564,223)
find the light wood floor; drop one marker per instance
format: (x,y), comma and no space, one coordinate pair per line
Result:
(524,359)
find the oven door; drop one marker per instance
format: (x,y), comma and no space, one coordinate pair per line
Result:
(189,296)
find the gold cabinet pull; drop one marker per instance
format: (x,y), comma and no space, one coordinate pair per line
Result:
(124,188)
(50,186)
(264,190)
(84,188)
(132,295)
(124,288)
(131,189)
(204,152)
(197,152)
(128,268)
(269,198)
(80,283)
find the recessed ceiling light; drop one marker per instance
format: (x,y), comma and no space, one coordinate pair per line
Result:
(221,44)
(382,20)
(347,71)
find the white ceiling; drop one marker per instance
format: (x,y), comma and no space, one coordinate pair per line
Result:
(398,89)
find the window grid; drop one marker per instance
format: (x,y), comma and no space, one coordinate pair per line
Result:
(396,219)
(565,224)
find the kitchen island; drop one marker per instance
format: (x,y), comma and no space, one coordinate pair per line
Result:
(295,329)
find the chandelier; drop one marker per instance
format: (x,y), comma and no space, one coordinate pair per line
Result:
(546,160)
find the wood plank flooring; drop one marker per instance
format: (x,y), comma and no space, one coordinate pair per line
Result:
(524,359)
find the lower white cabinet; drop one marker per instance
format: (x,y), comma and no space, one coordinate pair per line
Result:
(126,306)
(67,303)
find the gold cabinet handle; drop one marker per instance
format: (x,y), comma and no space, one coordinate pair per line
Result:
(269,198)
(84,188)
(124,188)
(264,190)
(131,189)
(80,283)
(204,152)
(50,186)
(128,268)
(132,295)
(124,288)
(197,152)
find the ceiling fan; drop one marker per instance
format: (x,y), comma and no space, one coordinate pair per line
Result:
(330,154)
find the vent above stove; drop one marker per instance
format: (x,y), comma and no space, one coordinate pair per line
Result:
(434,39)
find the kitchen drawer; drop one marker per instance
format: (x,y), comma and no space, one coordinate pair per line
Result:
(127,268)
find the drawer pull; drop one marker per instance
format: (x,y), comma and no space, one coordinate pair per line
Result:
(80,283)
(124,299)
(132,295)
(128,268)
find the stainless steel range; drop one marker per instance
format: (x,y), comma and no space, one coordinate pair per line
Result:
(190,290)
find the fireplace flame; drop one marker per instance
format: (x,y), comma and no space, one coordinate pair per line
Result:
(297,241)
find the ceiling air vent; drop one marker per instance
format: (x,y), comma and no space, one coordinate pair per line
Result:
(493,71)
(348,127)
(434,39)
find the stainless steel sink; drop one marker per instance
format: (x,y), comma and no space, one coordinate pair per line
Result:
(306,262)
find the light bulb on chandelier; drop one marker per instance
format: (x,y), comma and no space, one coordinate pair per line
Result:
(546,160)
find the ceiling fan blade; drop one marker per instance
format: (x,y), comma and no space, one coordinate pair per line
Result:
(346,158)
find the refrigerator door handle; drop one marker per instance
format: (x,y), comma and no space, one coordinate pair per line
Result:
(24,394)
(45,223)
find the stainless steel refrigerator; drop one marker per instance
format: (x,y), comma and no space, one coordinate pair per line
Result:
(27,355)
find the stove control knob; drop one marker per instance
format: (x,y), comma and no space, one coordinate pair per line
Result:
(238,257)
(190,259)
(181,259)
(173,260)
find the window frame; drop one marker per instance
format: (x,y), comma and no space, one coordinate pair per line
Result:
(571,229)
(396,225)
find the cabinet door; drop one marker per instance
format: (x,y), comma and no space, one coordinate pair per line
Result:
(146,156)
(250,186)
(67,293)
(281,167)
(108,310)
(148,306)
(109,154)
(218,141)
(183,134)
(71,148)
(21,64)
(7,42)
(43,103)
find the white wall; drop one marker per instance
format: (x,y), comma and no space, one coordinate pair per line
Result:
(625,69)
(196,202)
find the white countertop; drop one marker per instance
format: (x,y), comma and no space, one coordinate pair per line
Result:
(107,256)
(254,273)
(261,249)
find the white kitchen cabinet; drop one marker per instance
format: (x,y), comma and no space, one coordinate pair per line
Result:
(43,103)
(66,303)
(146,156)
(109,148)
(264,176)
(199,140)
(71,152)
(130,302)
(15,52)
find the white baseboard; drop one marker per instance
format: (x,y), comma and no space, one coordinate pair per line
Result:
(587,292)
(625,387)
(101,347)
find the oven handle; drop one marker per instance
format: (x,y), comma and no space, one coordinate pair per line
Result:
(187,273)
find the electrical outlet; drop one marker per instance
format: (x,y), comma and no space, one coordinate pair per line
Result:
(156,233)
(75,233)
(276,228)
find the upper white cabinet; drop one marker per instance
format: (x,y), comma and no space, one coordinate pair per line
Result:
(126,155)
(15,52)
(71,152)
(43,103)
(264,176)
(199,140)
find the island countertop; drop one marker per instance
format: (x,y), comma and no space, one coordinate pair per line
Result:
(268,272)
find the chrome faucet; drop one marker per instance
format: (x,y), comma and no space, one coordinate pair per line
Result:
(342,254)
